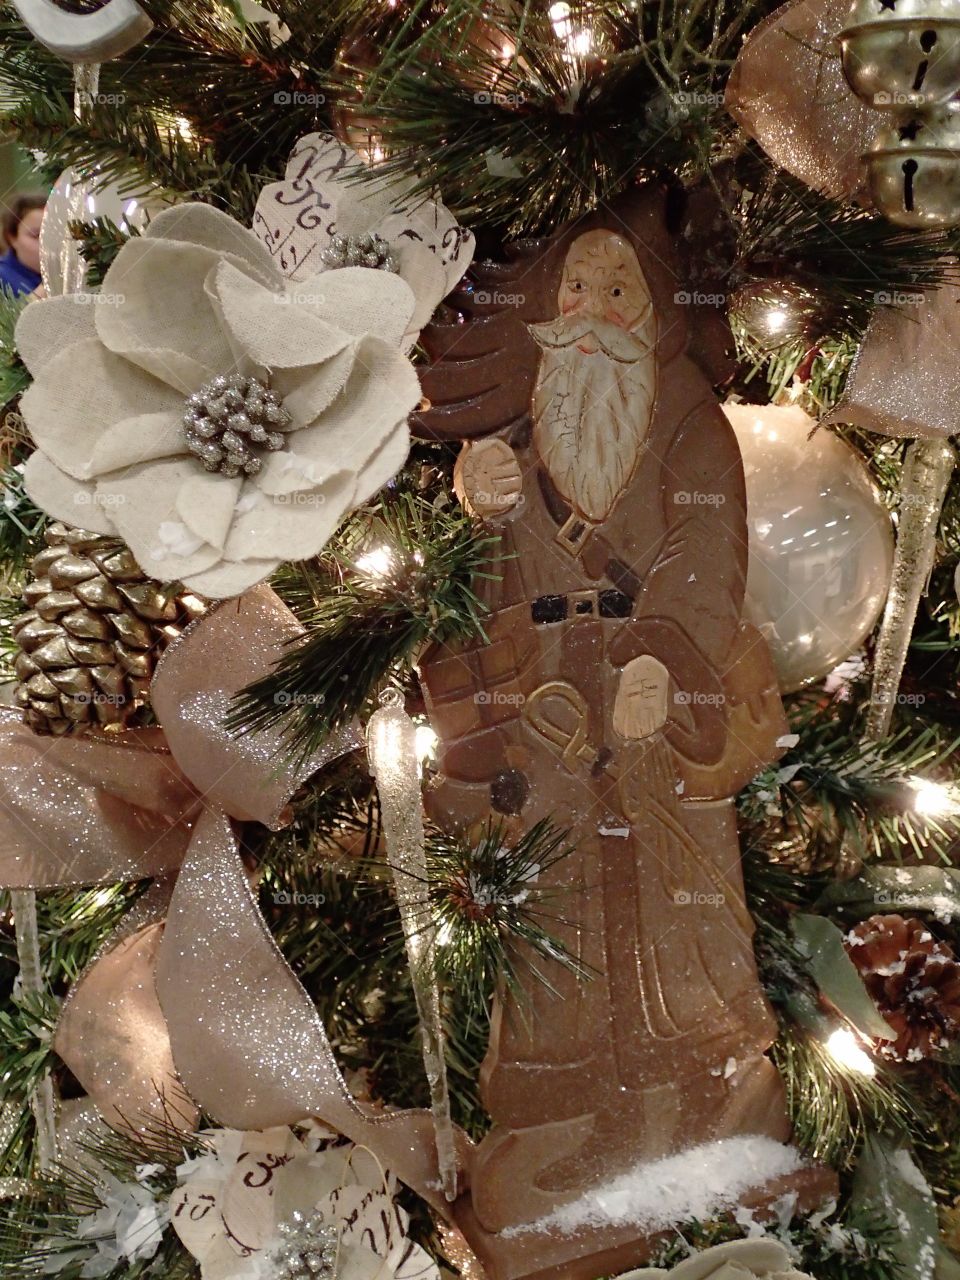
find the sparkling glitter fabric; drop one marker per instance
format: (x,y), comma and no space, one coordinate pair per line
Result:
(787,90)
(247,1040)
(905,379)
(113,1036)
(194,682)
(90,810)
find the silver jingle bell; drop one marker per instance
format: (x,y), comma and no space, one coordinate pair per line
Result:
(913,169)
(902,54)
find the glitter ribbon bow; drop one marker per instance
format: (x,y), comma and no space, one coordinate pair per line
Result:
(203,1002)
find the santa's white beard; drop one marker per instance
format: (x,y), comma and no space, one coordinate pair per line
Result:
(592,413)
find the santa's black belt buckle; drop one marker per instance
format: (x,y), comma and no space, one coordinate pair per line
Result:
(581,604)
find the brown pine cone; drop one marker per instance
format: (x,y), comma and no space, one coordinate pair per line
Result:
(914,979)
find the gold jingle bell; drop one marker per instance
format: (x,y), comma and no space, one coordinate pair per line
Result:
(902,54)
(913,169)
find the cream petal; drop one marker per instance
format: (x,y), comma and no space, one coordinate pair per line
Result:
(162,301)
(207,503)
(61,496)
(143,506)
(230,577)
(306,393)
(278,329)
(140,439)
(384,464)
(291,526)
(46,327)
(80,395)
(362,301)
(383,388)
(429,228)
(201,224)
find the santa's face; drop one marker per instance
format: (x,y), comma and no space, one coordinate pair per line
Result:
(596,385)
(602,278)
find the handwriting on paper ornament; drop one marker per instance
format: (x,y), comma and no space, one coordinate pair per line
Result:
(95,36)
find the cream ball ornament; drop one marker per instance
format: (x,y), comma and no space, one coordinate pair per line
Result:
(820,540)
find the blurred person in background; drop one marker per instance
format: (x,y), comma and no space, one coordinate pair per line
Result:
(20,265)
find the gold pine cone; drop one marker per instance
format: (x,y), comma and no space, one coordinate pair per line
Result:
(94,628)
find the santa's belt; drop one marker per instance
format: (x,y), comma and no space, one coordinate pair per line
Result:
(609,603)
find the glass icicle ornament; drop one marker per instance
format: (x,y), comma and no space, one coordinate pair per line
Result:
(394,762)
(926,474)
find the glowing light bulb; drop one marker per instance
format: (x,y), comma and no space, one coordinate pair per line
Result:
(777,318)
(426,743)
(844,1048)
(933,799)
(376,563)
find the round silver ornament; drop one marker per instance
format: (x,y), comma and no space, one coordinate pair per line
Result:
(913,168)
(773,313)
(902,54)
(820,540)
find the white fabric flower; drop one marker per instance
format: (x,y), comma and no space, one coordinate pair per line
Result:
(323,196)
(230,1203)
(197,296)
(739,1260)
(127,1228)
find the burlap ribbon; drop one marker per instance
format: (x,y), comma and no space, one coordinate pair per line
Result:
(787,91)
(202,1011)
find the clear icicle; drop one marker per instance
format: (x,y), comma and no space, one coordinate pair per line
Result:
(42,1100)
(926,473)
(392,752)
(73,269)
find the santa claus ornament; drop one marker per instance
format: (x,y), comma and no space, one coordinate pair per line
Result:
(620,695)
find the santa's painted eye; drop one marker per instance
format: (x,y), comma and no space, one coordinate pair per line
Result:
(576,286)
(616,291)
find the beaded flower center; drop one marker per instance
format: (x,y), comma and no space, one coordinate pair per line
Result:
(231,421)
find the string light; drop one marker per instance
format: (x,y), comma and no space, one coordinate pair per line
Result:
(376,563)
(933,799)
(845,1049)
(579,42)
(426,743)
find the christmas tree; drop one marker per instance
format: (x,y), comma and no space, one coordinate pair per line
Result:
(480,544)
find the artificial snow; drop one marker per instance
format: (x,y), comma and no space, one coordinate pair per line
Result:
(696,1184)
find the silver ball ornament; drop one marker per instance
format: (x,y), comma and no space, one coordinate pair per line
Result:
(773,314)
(820,541)
(913,169)
(899,54)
